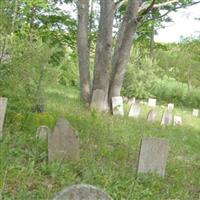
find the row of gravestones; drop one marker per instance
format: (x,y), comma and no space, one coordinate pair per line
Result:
(134,111)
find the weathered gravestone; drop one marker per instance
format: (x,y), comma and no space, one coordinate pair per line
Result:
(195,113)
(170,106)
(152,102)
(82,192)
(3,105)
(167,118)
(63,142)
(117,106)
(98,100)
(151,117)
(153,156)
(177,121)
(42,132)
(134,111)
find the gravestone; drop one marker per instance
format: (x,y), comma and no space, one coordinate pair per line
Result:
(134,111)
(42,132)
(177,121)
(98,100)
(195,113)
(82,192)
(63,142)
(152,102)
(3,105)
(153,156)
(131,101)
(166,118)
(170,106)
(117,106)
(151,117)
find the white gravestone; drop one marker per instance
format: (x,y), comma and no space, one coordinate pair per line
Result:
(177,121)
(152,102)
(195,113)
(3,105)
(117,106)
(42,132)
(167,118)
(153,156)
(134,111)
(170,106)
(151,117)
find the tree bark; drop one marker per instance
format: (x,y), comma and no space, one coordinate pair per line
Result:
(83,50)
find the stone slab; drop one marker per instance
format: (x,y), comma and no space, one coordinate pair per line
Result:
(3,106)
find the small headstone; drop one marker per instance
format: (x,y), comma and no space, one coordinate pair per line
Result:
(82,192)
(98,100)
(152,102)
(42,132)
(177,121)
(63,142)
(195,113)
(170,106)
(153,156)
(117,106)
(134,111)
(151,117)
(167,118)
(3,105)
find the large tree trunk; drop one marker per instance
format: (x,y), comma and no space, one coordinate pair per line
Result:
(103,55)
(123,47)
(83,49)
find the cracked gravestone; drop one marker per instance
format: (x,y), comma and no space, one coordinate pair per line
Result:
(117,106)
(42,132)
(63,142)
(153,156)
(151,117)
(82,192)
(3,105)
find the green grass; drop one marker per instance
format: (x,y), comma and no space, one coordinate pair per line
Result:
(109,149)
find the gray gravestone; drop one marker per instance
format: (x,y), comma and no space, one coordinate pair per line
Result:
(42,132)
(167,118)
(134,111)
(153,156)
(82,192)
(151,117)
(98,100)
(117,106)
(3,105)
(63,143)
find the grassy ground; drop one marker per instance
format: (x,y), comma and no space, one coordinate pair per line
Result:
(109,150)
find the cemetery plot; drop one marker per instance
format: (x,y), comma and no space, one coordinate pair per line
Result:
(117,106)
(3,105)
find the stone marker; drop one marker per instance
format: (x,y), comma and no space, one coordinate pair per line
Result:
(195,113)
(170,106)
(42,132)
(152,102)
(153,156)
(134,111)
(82,192)
(177,121)
(63,142)
(166,118)
(98,100)
(3,105)
(117,106)
(151,117)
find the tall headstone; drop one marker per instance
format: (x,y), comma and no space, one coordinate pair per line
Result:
(153,156)
(82,192)
(42,132)
(167,118)
(117,106)
(177,121)
(151,117)
(152,102)
(98,100)
(170,106)
(3,105)
(134,111)
(63,142)
(195,113)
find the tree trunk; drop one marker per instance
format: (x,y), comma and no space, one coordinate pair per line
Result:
(83,49)
(123,47)
(103,54)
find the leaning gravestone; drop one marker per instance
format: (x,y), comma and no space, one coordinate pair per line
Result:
(82,192)
(153,156)
(117,106)
(42,132)
(177,121)
(152,102)
(134,111)
(151,117)
(63,142)
(166,118)
(3,105)
(170,106)
(195,113)
(98,100)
